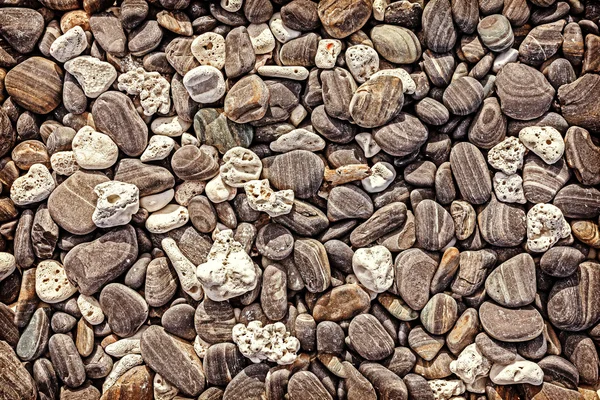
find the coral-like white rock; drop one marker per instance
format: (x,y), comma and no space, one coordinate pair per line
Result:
(170,126)
(516,373)
(218,191)
(119,368)
(69,45)
(297,139)
(261,197)
(163,389)
(228,271)
(152,87)
(408,84)
(362,61)
(545,141)
(382,175)
(367,144)
(507,156)
(231,5)
(90,309)
(186,270)
(94,150)
(159,148)
(122,347)
(546,225)
(51,282)
(209,49)
(168,218)
(117,202)
(64,163)
(35,186)
(271,342)
(94,76)
(240,165)
(7,265)
(445,389)
(328,51)
(470,364)
(374,268)
(189,139)
(509,188)
(281,32)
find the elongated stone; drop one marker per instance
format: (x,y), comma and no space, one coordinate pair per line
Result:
(311,260)
(434,225)
(13,375)
(513,283)
(510,325)
(471,173)
(66,360)
(414,271)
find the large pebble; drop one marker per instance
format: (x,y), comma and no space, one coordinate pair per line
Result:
(471,173)
(513,283)
(32,187)
(369,338)
(15,376)
(516,373)
(545,226)
(342,18)
(205,84)
(35,84)
(126,310)
(298,170)
(510,325)
(168,218)
(247,100)
(94,150)
(51,282)
(374,268)
(545,141)
(69,45)
(94,76)
(414,271)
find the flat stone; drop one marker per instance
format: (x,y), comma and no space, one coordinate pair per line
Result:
(21,27)
(511,325)
(125,309)
(414,271)
(94,76)
(35,84)
(341,303)
(14,375)
(298,170)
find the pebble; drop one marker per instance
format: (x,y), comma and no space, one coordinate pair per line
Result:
(513,284)
(149,179)
(281,31)
(21,28)
(434,225)
(94,76)
(297,139)
(496,33)
(284,72)
(186,270)
(191,163)
(414,271)
(66,361)
(261,197)
(374,268)
(125,309)
(51,282)
(90,309)
(159,148)
(545,141)
(261,38)
(218,191)
(161,282)
(471,173)
(205,84)
(240,166)
(509,188)
(69,45)
(117,202)
(369,338)
(34,339)
(341,303)
(545,226)
(152,88)
(377,101)
(64,163)
(209,49)
(382,175)
(310,258)
(507,156)
(471,365)
(517,372)
(247,100)
(32,187)
(362,62)
(167,218)
(510,325)
(155,202)
(35,84)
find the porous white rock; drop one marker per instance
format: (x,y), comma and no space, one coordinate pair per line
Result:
(546,225)
(281,32)
(117,202)
(159,148)
(509,188)
(188,138)
(261,197)
(218,191)
(382,175)
(367,144)
(508,56)
(94,76)
(168,218)
(186,270)
(298,139)
(152,88)
(90,309)
(35,186)
(187,190)
(408,84)
(327,52)
(201,347)
(209,49)
(205,84)
(228,271)
(470,364)
(240,165)
(163,389)
(362,61)
(94,150)
(231,5)
(545,141)
(374,268)
(379,7)
(69,45)
(169,126)
(478,386)
(518,372)
(51,282)
(64,163)
(271,342)
(507,156)
(284,72)
(7,265)
(445,389)
(119,368)
(122,347)
(155,202)
(261,38)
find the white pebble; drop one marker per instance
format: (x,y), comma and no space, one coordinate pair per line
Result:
(240,165)
(168,218)
(90,309)
(209,49)
(298,114)
(446,389)
(157,201)
(367,144)
(186,270)
(51,282)
(362,61)
(117,202)
(163,389)
(261,197)
(205,84)
(7,265)
(507,156)
(546,225)
(33,187)
(231,5)
(69,45)
(275,71)
(119,368)
(545,141)
(189,139)
(379,7)
(508,56)
(470,364)
(281,32)
(298,139)
(169,126)
(374,268)
(94,76)
(261,38)
(159,148)
(408,84)
(327,52)
(517,373)
(153,89)
(382,175)
(272,342)
(509,188)
(94,150)
(64,163)
(218,191)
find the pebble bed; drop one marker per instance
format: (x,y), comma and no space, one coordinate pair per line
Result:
(299,200)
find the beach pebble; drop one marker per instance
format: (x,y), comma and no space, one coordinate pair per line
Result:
(218,191)
(517,372)
(284,72)
(36,185)
(327,53)
(64,163)
(470,365)
(362,61)
(117,202)
(545,226)
(169,126)
(280,31)
(186,270)
(509,188)
(94,76)
(209,49)
(7,265)
(90,309)
(262,198)
(297,139)
(446,389)
(408,84)
(382,175)
(155,202)
(159,148)
(261,38)
(168,218)
(205,84)
(228,271)
(69,45)
(272,342)
(94,150)
(507,156)
(373,267)
(545,141)
(152,88)
(51,282)
(240,165)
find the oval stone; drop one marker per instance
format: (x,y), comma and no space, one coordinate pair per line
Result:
(511,325)
(513,283)
(35,84)
(125,309)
